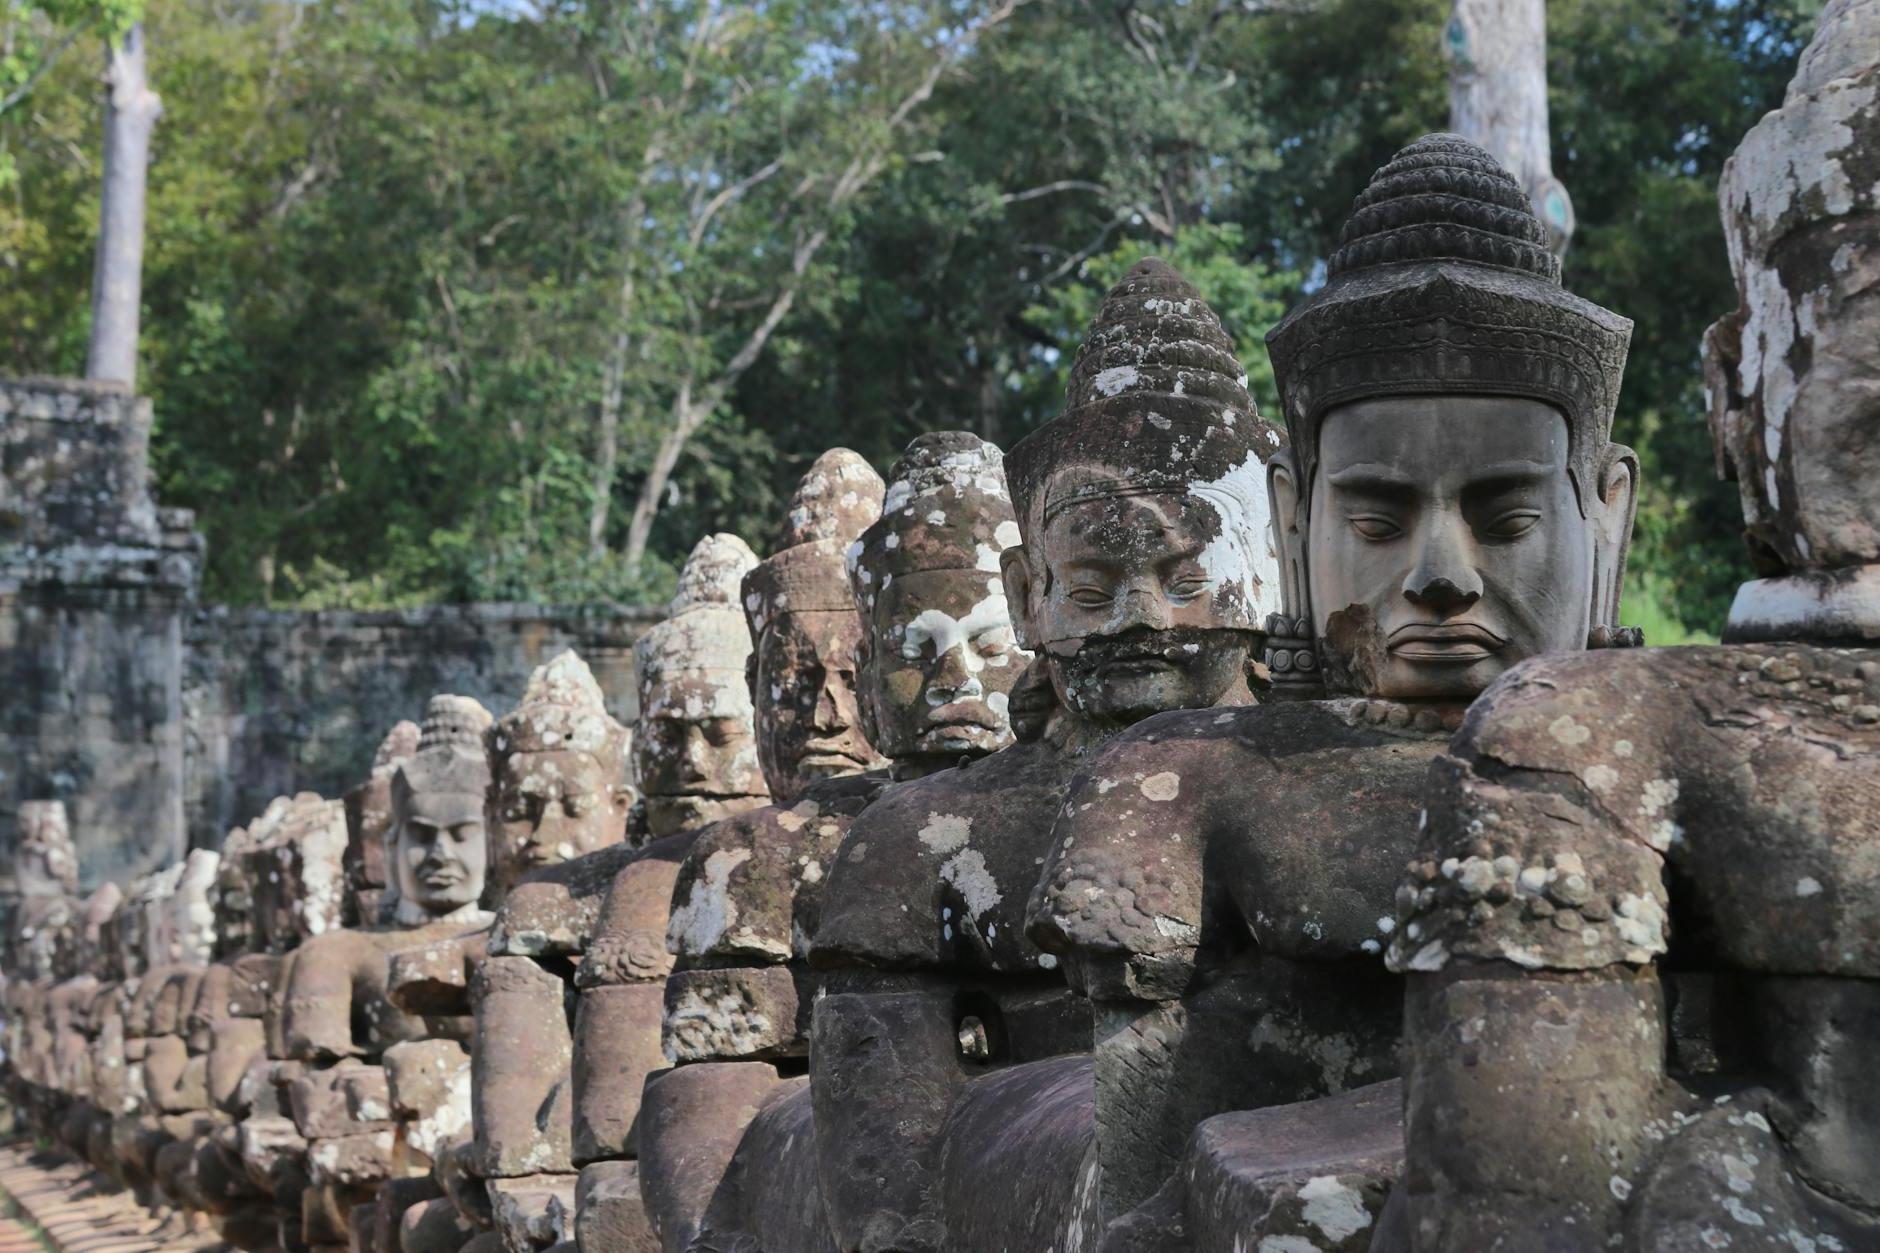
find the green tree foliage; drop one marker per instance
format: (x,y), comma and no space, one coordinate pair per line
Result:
(410,263)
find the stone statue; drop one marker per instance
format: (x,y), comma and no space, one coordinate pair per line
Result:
(693,752)
(369,824)
(558,763)
(292,891)
(45,881)
(804,631)
(1219,885)
(1644,976)
(799,673)
(938,662)
(338,1019)
(950,1065)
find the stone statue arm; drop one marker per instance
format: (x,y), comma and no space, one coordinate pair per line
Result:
(1120,896)
(335,1004)
(1528,926)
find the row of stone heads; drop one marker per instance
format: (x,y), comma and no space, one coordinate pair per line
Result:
(1099,842)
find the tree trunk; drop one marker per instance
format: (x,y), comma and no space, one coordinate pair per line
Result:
(1497,52)
(613,391)
(131,114)
(685,420)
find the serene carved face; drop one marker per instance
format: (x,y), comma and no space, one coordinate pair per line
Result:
(1125,613)
(440,850)
(551,807)
(803,687)
(1445,543)
(694,737)
(939,664)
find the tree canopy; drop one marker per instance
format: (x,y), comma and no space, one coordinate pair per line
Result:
(447,300)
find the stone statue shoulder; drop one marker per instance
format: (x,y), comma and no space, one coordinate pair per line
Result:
(1580,782)
(935,874)
(1289,821)
(751,886)
(554,909)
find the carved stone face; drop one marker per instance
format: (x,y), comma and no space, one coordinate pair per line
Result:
(440,853)
(1446,543)
(552,806)
(694,737)
(1125,613)
(803,689)
(939,664)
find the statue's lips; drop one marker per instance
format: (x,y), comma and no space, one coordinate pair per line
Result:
(830,756)
(1451,643)
(961,716)
(442,877)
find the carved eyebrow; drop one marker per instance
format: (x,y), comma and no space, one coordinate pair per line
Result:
(1372,476)
(1506,474)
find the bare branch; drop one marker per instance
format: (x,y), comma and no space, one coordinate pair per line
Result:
(727,196)
(1047,189)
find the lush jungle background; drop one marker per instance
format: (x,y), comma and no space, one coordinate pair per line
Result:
(451,299)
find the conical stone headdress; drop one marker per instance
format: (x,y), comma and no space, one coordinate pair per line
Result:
(1442,283)
(839,497)
(562,709)
(704,629)
(947,508)
(449,755)
(1158,402)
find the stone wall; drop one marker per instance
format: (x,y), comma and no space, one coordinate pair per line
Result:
(281,701)
(95,581)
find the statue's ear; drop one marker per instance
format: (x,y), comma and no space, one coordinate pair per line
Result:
(750,673)
(1611,512)
(1015,573)
(1286,496)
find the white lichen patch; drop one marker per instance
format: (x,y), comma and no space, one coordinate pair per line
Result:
(1568,731)
(708,911)
(969,875)
(1334,1207)
(1165,786)
(945,833)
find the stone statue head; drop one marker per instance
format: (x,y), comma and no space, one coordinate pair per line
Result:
(694,748)
(805,631)
(1795,406)
(1146,569)
(557,775)
(439,856)
(1451,501)
(45,862)
(191,908)
(95,952)
(369,826)
(233,897)
(938,655)
(297,871)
